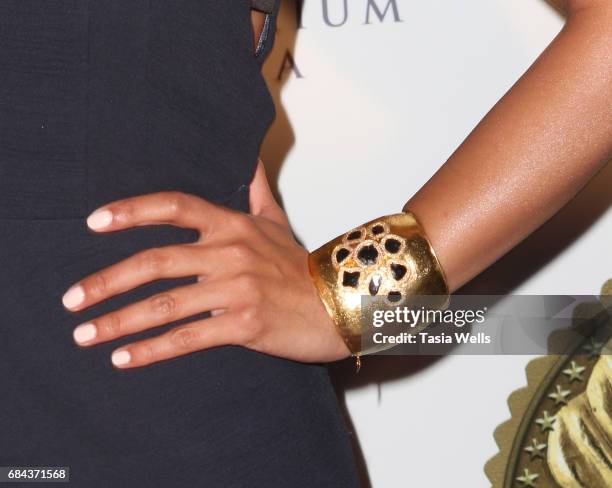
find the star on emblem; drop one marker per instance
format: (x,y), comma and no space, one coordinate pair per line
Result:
(560,396)
(574,372)
(528,479)
(536,449)
(546,421)
(593,348)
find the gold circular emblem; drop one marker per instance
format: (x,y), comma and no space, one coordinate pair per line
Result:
(560,432)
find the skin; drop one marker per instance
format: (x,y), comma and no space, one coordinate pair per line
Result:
(257,19)
(536,148)
(530,154)
(243,263)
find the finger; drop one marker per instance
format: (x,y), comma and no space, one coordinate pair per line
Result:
(262,200)
(175,261)
(172,207)
(157,310)
(196,336)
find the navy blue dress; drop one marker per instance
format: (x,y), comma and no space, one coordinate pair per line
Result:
(101,100)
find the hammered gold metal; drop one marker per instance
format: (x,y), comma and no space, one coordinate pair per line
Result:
(560,433)
(345,269)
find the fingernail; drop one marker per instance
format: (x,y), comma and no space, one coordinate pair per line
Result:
(100,219)
(73,297)
(85,333)
(119,358)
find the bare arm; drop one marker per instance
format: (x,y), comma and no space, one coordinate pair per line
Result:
(536,148)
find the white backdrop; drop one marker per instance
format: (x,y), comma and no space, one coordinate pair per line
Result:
(367,115)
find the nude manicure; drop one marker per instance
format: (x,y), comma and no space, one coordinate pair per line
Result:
(73,297)
(120,358)
(100,219)
(85,333)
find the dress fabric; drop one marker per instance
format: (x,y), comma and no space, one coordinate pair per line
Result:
(106,99)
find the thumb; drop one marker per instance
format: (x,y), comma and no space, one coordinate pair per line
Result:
(261,199)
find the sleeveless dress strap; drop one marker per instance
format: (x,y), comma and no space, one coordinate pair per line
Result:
(266,38)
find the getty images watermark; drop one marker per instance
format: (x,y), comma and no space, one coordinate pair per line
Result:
(486,324)
(412,318)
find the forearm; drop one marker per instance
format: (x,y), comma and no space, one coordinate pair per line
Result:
(529,155)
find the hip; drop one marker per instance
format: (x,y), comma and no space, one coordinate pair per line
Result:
(70,399)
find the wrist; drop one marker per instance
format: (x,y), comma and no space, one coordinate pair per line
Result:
(379,263)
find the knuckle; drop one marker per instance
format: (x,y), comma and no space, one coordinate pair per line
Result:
(252,317)
(146,352)
(239,251)
(97,285)
(164,304)
(177,201)
(183,338)
(111,325)
(154,261)
(125,212)
(251,323)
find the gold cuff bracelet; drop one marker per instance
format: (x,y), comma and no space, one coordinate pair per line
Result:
(389,258)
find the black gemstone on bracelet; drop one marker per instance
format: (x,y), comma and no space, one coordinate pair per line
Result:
(356,234)
(367,255)
(342,254)
(398,271)
(377,229)
(350,278)
(392,245)
(374,285)
(394,296)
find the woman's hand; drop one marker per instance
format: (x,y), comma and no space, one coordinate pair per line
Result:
(252,276)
